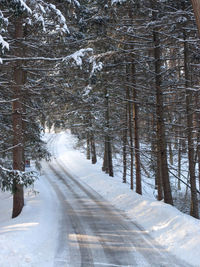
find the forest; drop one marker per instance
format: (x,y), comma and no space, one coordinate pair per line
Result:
(122,75)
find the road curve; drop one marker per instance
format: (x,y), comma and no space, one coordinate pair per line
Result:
(93,233)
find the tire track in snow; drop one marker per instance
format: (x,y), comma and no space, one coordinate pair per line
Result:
(138,244)
(71,220)
(97,227)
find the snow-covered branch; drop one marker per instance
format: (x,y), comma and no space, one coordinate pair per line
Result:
(8,176)
(31,59)
(77,57)
(61,18)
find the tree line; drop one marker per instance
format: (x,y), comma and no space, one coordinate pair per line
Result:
(122,75)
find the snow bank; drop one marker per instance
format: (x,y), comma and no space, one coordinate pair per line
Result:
(29,239)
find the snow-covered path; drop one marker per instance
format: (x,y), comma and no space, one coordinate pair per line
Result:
(69,224)
(91,231)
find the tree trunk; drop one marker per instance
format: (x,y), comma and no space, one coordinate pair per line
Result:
(198,157)
(124,156)
(179,164)
(136,130)
(130,124)
(196,8)
(197,122)
(107,164)
(105,158)
(155,158)
(93,149)
(18,150)
(125,132)
(171,160)
(88,146)
(194,211)
(108,141)
(110,165)
(161,139)
(131,139)
(159,177)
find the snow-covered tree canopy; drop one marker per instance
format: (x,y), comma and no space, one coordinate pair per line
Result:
(3,25)
(36,11)
(43,33)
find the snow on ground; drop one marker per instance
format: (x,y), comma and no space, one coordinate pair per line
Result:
(178,232)
(29,239)
(24,240)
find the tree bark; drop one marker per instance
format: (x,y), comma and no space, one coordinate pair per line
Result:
(108,141)
(88,146)
(131,138)
(107,164)
(196,8)
(194,211)
(161,139)
(18,150)
(171,160)
(197,126)
(179,164)
(125,133)
(136,131)
(105,158)
(93,149)
(110,164)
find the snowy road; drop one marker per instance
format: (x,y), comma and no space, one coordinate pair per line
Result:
(94,233)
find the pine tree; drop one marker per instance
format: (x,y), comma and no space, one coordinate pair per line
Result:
(25,17)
